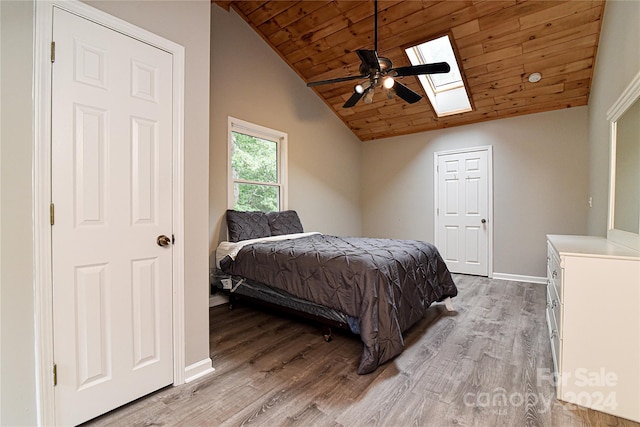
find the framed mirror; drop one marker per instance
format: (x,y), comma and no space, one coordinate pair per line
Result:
(624,171)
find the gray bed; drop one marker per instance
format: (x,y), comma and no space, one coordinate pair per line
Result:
(380,286)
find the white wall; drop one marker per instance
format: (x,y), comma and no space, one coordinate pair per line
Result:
(17,363)
(183,21)
(540,183)
(251,82)
(0,211)
(618,61)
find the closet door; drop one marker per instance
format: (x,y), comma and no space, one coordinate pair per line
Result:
(112,201)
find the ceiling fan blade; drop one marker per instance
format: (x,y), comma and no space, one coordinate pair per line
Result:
(354,99)
(405,93)
(369,58)
(415,70)
(337,80)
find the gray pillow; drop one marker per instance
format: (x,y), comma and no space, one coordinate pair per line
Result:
(247,225)
(285,222)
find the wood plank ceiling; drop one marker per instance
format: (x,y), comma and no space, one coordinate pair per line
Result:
(498,43)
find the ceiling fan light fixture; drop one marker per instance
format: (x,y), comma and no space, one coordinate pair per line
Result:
(368,97)
(388,82)
(358,88)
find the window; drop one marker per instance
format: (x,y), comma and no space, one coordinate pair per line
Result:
(446,92)
(257,167)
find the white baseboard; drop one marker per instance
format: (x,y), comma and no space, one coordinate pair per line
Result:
(520,278)
(198,370)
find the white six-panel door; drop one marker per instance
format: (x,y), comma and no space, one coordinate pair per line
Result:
(111,190)
(462,210)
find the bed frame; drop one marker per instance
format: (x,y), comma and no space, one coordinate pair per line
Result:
(238,289)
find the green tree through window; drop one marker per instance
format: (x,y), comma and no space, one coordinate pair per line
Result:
(254,165)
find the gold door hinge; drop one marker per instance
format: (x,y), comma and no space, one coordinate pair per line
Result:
(52,213)
(55,374)
(53,51)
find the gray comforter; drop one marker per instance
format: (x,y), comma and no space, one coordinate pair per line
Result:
(387,284)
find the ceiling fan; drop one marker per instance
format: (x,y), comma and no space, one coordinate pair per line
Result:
(380,72)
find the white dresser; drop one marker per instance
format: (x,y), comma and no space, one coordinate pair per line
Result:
(593,313)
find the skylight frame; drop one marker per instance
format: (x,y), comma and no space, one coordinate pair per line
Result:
(455,92)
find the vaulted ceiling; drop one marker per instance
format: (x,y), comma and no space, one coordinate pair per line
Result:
(498,43)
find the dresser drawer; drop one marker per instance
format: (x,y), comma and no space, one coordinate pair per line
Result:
(554,303)
(553,336)
(554,271)
(556,343)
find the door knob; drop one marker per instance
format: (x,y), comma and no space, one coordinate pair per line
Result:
(163,240)
(483,221)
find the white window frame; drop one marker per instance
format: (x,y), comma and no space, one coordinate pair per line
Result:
(280,138)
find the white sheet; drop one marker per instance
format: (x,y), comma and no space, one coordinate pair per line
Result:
(232,248)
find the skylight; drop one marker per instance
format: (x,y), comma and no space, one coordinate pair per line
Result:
(447,92)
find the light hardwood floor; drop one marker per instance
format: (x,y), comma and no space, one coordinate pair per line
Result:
(485,364)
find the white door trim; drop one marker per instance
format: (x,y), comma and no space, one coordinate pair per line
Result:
(42,191)
(489,150)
